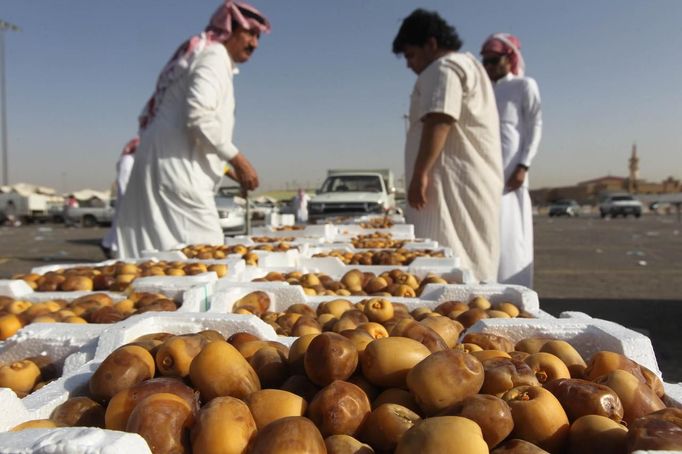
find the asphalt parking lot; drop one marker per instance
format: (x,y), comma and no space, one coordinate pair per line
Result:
(625,270)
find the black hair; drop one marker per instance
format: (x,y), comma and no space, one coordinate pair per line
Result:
(421,25)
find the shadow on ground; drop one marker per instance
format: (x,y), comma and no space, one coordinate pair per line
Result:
(657,319)
(86,241)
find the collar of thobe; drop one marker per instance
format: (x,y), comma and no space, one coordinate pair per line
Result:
(234,69)
(508,76)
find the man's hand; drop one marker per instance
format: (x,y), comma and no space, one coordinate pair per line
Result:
(516,179)
(246,174)
(416,194)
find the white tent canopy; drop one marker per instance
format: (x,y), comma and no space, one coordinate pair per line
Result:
(26,189)
(87,194)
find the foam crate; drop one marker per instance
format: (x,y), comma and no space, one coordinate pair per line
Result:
(249,240)
(14,287)
(587,335)
(40,404)
(333,267)
(235,266)
(397,231)
(419,262)
(227,324)
(523,297)
(283,296)
(72,440)
(327,231)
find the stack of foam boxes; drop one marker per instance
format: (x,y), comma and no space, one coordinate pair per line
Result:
(206,302)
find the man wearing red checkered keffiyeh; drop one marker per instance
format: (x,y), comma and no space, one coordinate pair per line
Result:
(518,104)
(185,132)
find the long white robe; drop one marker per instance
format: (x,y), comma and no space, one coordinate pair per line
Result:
(124,166)
(518,103)
(463,199)
(180,161)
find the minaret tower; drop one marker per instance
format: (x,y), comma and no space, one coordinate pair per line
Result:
(634,170)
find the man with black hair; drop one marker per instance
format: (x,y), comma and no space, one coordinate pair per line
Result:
(452,153)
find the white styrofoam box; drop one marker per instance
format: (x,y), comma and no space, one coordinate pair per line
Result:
(278,219)
(277,258)
(333,267)
(257,272)
(394,218)
(348,247)
(397,231)
(14,288)
(55,341)
(40,404)
(175,286)
(673,394)
(63,266)
(586,335)
(168,322)
(413,244)
(419,262)
(72,440)
(13,410)
(248,240)
(523,297)
(327,231)
(283,296)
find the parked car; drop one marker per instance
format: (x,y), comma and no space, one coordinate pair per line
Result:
(623,205)
(564,207)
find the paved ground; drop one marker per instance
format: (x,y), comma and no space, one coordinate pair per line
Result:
(625,270)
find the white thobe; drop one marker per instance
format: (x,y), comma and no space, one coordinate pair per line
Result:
(518,103)
(463,198)
(124,167)
(301,207)
(180,161)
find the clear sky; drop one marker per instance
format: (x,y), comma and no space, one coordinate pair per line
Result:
(324,90)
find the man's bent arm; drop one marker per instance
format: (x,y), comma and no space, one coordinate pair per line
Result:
(435,132)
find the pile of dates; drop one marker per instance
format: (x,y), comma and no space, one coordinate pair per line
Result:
(116,277)
(378,316)
(26,375)
(205,251)
(347,392)
(355,282)
(90,308)
(377,240)
(396,257)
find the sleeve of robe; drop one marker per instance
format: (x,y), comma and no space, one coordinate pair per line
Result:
(209,82)
(532,119)
(441,91)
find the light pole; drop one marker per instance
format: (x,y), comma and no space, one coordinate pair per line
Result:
(5,165)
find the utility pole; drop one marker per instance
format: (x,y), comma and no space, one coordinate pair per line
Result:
(4,26)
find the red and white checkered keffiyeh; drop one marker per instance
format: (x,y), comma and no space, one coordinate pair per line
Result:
(506,44)
(131,146)
(218,31)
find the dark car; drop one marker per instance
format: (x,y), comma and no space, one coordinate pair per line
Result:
(564,207)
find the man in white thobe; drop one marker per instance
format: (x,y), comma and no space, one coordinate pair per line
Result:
(518,103)
(186,138)
(124,166)
(452,153)
(301,206)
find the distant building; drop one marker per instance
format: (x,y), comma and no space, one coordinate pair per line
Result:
(591,191)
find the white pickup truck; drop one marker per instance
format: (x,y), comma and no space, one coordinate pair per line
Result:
(353,193)
(90,216)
